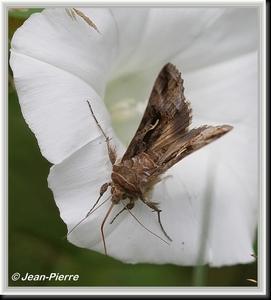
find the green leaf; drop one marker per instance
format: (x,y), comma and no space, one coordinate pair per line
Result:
(23,13)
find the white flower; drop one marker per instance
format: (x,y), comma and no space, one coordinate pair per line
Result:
(209,199)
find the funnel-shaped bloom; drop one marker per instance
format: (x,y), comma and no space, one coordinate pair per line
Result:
(62,58)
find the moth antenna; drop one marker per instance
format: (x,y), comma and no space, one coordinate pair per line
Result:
(144,225)
(111,150)
(102,226)
(98,124)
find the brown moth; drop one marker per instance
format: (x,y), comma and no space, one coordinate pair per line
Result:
(161,140)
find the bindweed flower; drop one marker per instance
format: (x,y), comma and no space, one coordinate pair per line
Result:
(62,58)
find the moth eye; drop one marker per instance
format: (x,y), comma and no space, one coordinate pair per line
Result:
(130,205)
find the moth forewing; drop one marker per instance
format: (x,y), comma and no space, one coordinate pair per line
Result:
(161,140)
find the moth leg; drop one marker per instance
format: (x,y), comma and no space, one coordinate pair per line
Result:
(102,226)
(154,206)
(128,206)
(111,151)
(160,223)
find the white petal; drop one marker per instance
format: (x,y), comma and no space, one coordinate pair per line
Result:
(191,37)
(56,70)
(225,92)
(222,34)
(208,188)
(228,93)
(77,180)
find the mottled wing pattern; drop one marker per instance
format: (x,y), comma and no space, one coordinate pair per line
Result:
(163,132)
(167,114)
(187,144)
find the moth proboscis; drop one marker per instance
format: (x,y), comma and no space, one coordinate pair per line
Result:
(161,140)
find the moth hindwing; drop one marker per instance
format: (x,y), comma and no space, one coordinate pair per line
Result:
(161,140)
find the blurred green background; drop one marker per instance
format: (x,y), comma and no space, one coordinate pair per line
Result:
(36,242)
